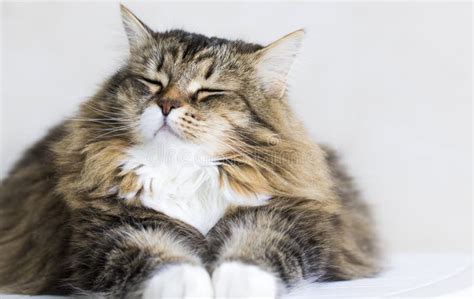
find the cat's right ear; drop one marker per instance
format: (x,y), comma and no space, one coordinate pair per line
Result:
(137,32)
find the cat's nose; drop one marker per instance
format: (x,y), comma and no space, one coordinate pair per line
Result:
(167,105)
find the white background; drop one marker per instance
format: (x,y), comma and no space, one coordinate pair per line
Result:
(387,84)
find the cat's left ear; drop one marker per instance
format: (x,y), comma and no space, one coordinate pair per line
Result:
(275,61)
(137,32)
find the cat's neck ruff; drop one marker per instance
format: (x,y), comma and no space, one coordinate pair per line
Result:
(181,180)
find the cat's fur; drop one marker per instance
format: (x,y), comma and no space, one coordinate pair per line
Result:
(231,198)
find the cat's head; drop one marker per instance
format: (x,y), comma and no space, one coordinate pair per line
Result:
(226,96)
(201,89)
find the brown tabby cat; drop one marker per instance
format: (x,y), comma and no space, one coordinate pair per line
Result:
(187,174)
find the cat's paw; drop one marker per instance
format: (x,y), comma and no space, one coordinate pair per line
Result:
(179,281)
(129,187)
(138,183)
(135,181)
(235,279)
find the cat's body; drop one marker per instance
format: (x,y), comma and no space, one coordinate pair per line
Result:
(186,174)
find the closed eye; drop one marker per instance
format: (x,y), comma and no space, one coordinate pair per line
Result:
(155,86)
(151,81)
(207,93)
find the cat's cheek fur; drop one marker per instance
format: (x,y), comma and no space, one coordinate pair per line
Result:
(236,279)
(150,122)
(179,281)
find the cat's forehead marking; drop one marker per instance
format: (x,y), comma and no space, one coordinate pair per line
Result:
(152,73)
(209,67)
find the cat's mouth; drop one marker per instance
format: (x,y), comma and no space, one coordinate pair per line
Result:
(161,129)
(165,129)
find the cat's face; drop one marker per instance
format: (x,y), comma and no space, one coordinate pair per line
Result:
(195,88)
(210,92)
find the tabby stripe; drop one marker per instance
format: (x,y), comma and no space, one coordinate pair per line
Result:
(256,117)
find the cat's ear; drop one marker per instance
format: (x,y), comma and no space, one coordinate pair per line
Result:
(137,32)
(275,61)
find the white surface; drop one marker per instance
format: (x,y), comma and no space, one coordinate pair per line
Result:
(407,276)
(388,84)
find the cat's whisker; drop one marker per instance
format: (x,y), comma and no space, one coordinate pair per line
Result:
(105,121)
(113,113)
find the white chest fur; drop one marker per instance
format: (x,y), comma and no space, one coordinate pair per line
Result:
(180,181)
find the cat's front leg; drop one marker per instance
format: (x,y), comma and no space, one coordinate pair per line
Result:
(125,252)
(265,251)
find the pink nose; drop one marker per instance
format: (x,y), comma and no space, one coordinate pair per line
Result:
(167,105)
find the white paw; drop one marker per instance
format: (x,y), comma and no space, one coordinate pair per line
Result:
(235,279)
(179,281)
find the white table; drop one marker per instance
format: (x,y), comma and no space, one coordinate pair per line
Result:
(406,276)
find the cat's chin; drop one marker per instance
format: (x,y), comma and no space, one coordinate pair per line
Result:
(166,132)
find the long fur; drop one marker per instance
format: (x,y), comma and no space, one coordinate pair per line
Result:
(94,209)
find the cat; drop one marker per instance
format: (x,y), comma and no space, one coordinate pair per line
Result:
(187,174)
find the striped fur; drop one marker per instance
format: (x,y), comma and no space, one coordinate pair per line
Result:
(72,214)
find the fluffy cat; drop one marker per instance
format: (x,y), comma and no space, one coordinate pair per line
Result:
(187,174)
